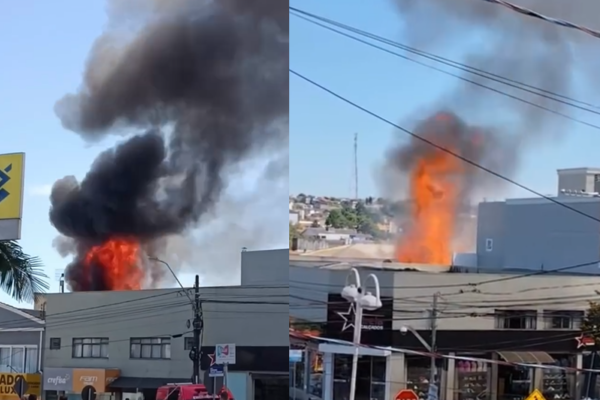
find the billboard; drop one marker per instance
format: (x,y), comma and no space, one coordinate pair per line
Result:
(12,179)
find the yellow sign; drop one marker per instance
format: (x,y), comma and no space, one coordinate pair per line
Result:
(535,395)
(12,168)
(7,385)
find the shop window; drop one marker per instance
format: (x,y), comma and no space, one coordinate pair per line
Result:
(315,384)
(90,348)
(516,319)
(514,382)
(150,348)
(418,374)
(19,359)
(472,380)
(562,319)
(370,382)
(557,383)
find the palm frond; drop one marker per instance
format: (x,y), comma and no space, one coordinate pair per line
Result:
(21,275)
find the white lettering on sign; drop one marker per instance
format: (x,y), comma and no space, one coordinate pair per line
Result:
(89,380)
(59,380)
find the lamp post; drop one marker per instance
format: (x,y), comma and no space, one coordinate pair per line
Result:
(355,293)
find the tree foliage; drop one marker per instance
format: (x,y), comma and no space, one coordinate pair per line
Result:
(358,218)
(590,326)
(21,275)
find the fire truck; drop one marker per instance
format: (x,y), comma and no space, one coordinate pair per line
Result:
(189,391)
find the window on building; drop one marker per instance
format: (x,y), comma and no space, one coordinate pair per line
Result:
(150,348)
(189,343)
(516,319)
(90,347)
(19,359)
(55,343)
(563,319)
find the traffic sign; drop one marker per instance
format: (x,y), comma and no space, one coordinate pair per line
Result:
(406,394)
(216,371)
(88,393)
(535,395)
(20,386)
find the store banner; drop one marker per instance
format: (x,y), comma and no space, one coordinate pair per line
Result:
(99,379)
(376,324)
(59,379)
(7,385)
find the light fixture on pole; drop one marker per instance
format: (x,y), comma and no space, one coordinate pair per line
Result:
(353,292)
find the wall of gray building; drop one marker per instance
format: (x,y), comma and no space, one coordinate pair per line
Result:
(461,307)
(231,315)
(265,267)
(537,234)
(310,288)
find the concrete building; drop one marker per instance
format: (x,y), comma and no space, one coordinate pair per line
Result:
(534,319)
(539,234)
(21,341)
(136,341)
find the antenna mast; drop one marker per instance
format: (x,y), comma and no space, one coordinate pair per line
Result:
(356,166)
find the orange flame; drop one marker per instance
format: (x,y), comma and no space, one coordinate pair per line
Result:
(118,260)
(435,195)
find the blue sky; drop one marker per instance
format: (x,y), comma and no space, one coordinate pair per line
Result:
(44,47)
(322,127)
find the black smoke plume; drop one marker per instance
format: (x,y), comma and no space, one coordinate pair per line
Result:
(499,41)
(202,85)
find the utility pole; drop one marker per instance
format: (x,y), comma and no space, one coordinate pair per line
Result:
(433,395)
(356,166)
(198,325)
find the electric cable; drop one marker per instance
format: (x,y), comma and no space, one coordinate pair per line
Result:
(464,159)
(454,64)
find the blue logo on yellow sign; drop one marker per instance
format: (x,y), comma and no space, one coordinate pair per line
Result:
(11,185)
(4,178)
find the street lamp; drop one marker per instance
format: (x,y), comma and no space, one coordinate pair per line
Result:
(353,292)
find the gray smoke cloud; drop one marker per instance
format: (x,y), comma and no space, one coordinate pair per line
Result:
(203,86)
(503,42)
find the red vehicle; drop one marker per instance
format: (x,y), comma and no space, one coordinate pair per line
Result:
(183,391)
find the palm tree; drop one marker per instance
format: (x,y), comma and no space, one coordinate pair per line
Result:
(21,275)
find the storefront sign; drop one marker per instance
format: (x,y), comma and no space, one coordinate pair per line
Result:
(59,379)
(376,324)
(584,341)
(7,385)
(535,395)
(99,379)
(225,353)
(406,394)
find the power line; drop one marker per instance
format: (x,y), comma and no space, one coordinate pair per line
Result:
(472,82)
(443,149)
(535,14)
(451,63)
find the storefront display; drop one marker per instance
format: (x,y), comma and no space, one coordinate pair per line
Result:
(472,380)
(556,382)
(418,373)
(514,383)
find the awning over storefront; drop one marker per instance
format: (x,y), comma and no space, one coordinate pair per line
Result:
(131,382)
(526,357)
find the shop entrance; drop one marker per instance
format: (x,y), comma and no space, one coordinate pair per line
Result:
(270,386)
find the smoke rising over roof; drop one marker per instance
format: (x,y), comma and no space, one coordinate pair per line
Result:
(497,40)
(203,86)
